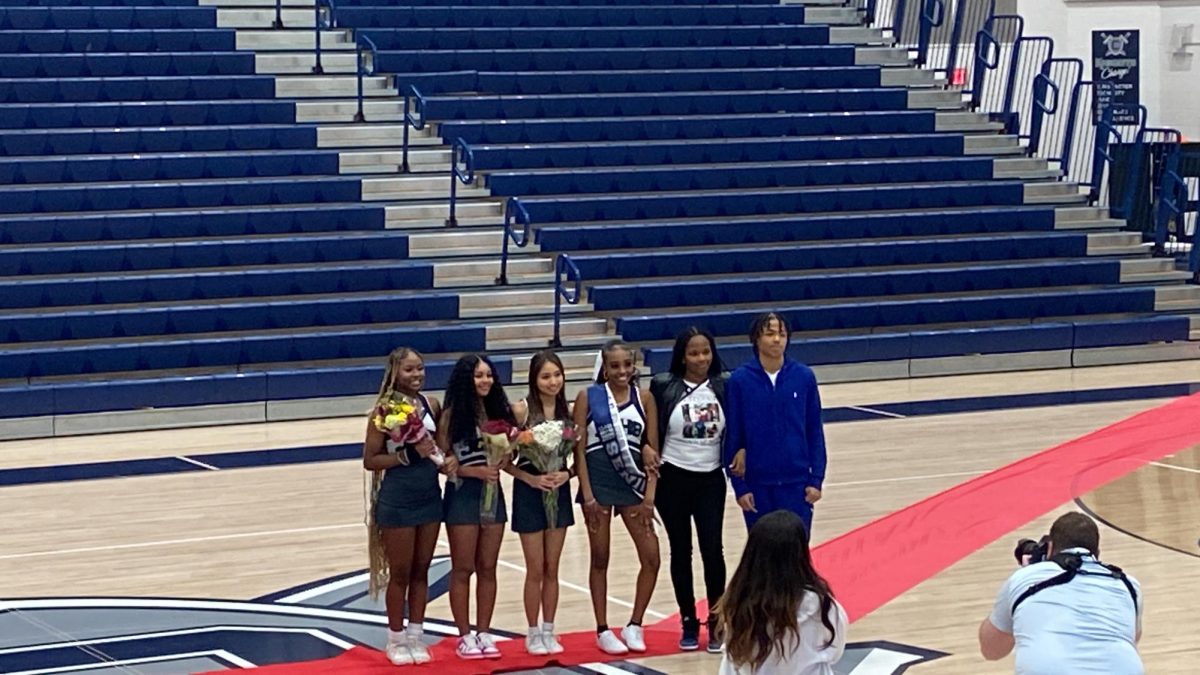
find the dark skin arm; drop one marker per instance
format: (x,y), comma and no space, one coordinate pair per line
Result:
(592,511)
(650,458)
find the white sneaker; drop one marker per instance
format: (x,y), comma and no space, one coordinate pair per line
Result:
(420,652)
(633,637)
(609,643)
(553,646)
(487,645)
(468,648)
(399,654)
(534,644)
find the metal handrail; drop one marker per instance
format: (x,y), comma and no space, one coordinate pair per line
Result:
(459,150)
(564,266)
(513,210)
(277,24)
(933,15)
(414,96)
(318,25)
(364,70)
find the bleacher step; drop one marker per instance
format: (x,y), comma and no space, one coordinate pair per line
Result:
(404,215)
(831,16)
(965,121)
(1151,270)
(935,99)
(302,63)
(1053,193)
(242,4)
(329,86)
(1115,243)
(992,145)
(858,35)
(881,56)
(372,135)
(377,109)
(434,186)
(1176,298)
(262,17)
(575,327)
(521,270)
(293,40)
(423,161)
(1195,328)
(906,77)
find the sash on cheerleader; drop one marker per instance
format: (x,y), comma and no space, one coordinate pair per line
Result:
(611,433)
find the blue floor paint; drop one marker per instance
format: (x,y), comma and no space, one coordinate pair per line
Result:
(350,451)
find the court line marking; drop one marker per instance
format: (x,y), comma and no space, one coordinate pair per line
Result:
(315,632)
(172,542)
(873,411)
(219,653)
(200,464)
(1177,468)
(441,542)
(316,591)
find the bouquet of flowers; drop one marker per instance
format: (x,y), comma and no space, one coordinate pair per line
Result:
(547,446)
(400,420)
(497,437)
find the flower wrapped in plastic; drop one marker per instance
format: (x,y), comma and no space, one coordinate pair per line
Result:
(547,446)
(399,418)
(497,437)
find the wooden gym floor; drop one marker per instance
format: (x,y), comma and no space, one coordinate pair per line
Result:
(230,533)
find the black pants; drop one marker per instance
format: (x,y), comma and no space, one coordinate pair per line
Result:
(686,496)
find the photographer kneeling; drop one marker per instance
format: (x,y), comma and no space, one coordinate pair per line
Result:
(1076,615)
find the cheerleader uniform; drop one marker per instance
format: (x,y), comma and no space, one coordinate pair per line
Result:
(409,493)
(462,503)
(608,487)
(529,511)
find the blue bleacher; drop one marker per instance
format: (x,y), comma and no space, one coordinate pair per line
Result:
(665,153)
(117,197)
(716,232)
(560,17)
(823,254)
(244,314)
(33,116)
(183,223)
(33,142)
(125,64)
(738,176)
(688,127)
(665,58)
(873,315)
(116,18)
(101,89)
(129,256)
(602,37)
(68,42)
(844,285)
(568,208)
(1003,339)
(144,167)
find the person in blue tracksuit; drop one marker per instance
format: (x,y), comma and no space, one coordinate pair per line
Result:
(774,440)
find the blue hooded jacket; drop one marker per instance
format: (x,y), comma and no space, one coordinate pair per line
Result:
(779,426)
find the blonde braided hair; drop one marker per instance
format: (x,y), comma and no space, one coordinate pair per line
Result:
(377,561)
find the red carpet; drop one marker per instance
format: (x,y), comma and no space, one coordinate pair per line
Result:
(881,560)
(580,649)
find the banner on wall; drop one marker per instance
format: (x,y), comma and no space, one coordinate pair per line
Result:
(1116,70)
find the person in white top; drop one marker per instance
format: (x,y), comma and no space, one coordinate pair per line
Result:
(691,484)
(778,615)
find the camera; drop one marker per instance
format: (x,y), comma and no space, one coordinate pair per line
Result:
(1029,551)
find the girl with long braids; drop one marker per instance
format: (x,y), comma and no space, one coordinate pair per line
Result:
(405,513)
(778,615)
(541,541)
(473,398)
(617,460)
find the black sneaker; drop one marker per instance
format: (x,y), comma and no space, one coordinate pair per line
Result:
(715,640)
(690,641)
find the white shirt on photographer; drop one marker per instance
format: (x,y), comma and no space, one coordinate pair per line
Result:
(1086,626)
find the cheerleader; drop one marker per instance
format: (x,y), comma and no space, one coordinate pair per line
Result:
(617,460)
(473,398)
(405,511)
(541,541)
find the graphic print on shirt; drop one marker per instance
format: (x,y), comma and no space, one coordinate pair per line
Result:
(701,420)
